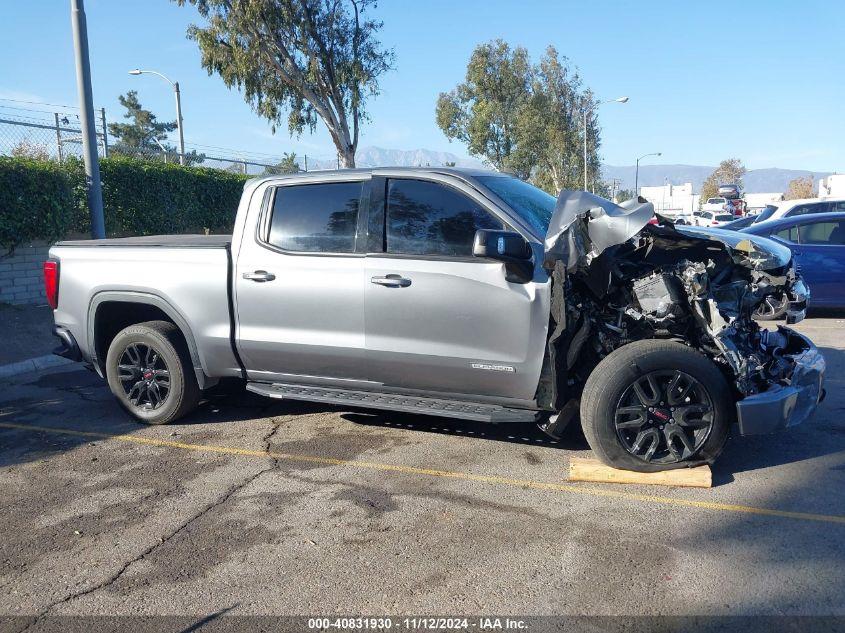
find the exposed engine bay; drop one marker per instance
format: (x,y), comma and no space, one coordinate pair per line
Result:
(616,278)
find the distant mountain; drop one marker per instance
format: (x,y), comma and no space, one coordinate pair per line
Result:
(380,157)
(756,180)
(768,180)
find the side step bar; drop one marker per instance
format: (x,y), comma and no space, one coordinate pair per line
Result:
(395,402)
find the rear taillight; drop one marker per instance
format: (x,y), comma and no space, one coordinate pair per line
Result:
(51,282)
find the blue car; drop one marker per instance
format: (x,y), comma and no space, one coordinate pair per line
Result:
(817,242)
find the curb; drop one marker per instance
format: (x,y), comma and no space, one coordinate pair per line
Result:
(32,364)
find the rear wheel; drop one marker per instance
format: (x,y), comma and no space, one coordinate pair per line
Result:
(149,371)
(655,405)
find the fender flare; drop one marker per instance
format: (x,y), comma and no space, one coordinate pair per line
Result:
(156,301)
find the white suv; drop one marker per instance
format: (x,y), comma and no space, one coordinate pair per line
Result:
(803,206)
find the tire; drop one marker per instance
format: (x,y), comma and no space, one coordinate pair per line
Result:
(621,428)
(772,309)
(161,386)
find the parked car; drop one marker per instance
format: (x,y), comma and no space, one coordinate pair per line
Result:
(792,208)
(715,205)
(817,242)
(710,218)
(460,293)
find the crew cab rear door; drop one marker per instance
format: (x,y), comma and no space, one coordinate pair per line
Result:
(299,282)
(437,318)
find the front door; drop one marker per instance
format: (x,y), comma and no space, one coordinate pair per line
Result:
(299,286)
(437,318)
(821,257)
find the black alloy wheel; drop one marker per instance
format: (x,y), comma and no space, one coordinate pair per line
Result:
(144,375)
(664,417)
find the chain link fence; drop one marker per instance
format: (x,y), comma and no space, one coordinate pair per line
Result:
(36,132)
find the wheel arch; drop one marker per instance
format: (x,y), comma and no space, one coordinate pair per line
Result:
(111,311)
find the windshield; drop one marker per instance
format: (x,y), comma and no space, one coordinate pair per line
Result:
(716,201)
(765,214)
(724,218)
(533,205)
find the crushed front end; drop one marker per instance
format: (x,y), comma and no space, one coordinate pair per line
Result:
(617,279)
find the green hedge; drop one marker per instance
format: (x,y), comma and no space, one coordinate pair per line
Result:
(45,200)
(36,201)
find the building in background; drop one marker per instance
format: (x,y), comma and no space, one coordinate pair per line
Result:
(672,200)
(832,186)
(756,202)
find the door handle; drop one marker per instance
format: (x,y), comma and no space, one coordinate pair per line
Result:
(260,276)
(391,281)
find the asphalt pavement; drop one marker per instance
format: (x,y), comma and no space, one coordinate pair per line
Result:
(253,506)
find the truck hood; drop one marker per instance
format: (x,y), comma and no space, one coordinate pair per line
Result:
(584,225)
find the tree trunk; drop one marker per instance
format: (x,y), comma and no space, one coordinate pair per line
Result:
(346,155)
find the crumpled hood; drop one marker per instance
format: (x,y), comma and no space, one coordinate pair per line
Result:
(584,224)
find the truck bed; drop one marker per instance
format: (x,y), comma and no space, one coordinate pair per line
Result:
(164,241)
(185,277)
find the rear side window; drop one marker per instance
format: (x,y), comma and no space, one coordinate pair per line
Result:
(319,218)
(789,234)
(823,233)
(804,209)
(838,206)
(427,218)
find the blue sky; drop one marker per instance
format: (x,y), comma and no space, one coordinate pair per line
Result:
(759,80)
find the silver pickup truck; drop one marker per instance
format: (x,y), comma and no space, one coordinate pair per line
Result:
(459,293)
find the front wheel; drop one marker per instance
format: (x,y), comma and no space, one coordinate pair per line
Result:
(655,405)
(149,371)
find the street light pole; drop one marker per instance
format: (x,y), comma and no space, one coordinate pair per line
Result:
(586,111)
(86,119)
(637,173)
(175,86)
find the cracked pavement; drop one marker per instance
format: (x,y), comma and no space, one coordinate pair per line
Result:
(101,525)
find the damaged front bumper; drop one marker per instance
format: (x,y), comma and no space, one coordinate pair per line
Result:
(785,405)
(798,296)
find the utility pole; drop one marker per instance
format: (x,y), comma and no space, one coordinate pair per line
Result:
(86,118)
(179,123)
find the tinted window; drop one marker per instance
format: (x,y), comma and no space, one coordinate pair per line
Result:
(533,205)
(823,233)
(765,214)
(837,206)
(426,218)
(316,218)
(790,234)
(803,209)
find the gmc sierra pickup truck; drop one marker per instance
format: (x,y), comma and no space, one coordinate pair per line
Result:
(468,294)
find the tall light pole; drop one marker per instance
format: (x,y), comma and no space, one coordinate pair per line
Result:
(637,176)
(86,119)
(175,85)
(587,110)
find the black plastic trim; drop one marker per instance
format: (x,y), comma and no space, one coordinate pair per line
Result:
(230,299)
(68,347)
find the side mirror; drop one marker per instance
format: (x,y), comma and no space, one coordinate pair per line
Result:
(508,247)
(502,245)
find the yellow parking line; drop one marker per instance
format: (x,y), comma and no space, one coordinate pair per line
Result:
(412,470)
